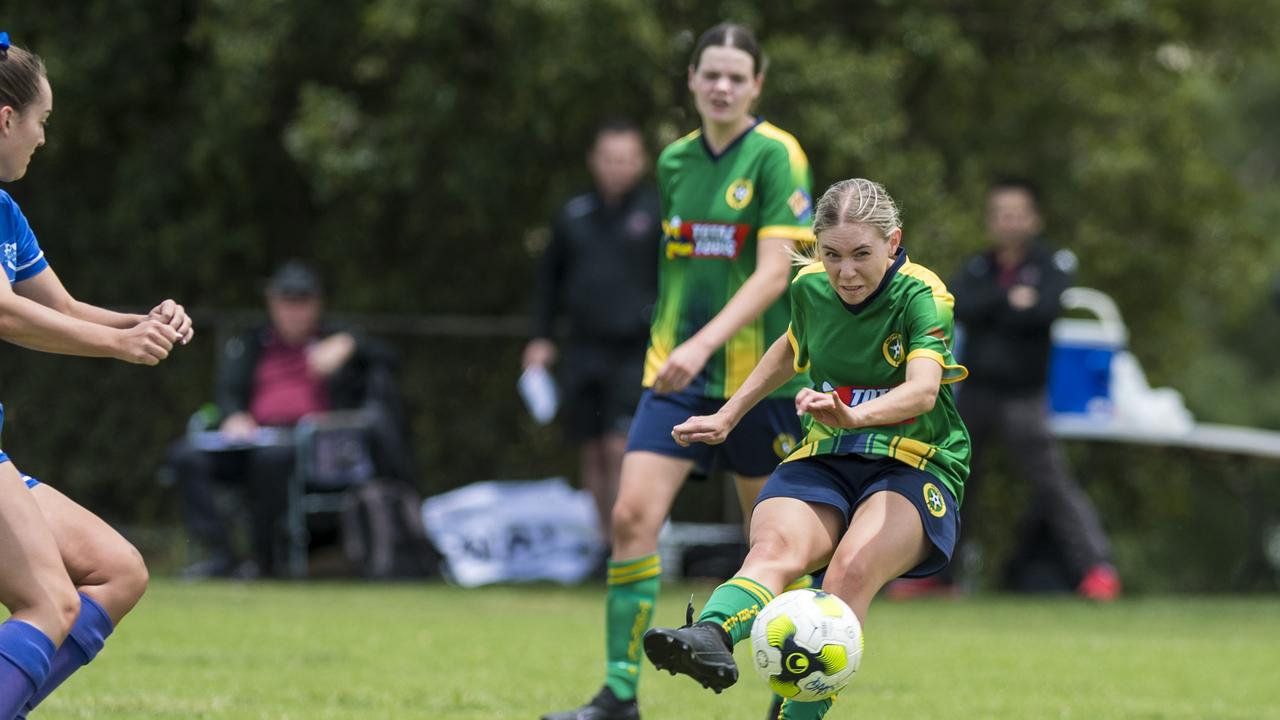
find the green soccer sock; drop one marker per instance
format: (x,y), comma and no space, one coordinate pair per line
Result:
(633,591)
(793,710)
(735,605)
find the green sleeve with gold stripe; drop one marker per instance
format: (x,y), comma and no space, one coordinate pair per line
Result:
(786,192)
(928,326)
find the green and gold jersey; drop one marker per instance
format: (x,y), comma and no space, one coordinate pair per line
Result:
(714,208)
(860,352)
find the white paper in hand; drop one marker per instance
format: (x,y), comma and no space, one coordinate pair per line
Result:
(538,390)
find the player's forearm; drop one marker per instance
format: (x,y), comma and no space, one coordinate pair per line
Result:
(775,368)
(34,326)
(761,289)
(908,400)
(102,316)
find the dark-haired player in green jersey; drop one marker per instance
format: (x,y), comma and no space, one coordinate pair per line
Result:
(873,490)
(736,200)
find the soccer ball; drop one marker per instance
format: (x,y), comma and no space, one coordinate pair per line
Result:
(807,644)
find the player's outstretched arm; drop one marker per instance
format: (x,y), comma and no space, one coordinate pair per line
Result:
(913,397)
(46,289)
(33,325)
(775,368)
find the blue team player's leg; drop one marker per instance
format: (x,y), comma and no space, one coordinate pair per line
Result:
(34,586)
(107,572)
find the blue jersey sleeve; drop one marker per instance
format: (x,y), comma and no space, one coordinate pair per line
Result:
(23,257)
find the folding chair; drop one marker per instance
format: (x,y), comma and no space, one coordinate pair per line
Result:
(334,454)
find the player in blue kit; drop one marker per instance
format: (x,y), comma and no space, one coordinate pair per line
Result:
(66,577)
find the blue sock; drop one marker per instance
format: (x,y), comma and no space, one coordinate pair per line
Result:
(84,641)
(25,656)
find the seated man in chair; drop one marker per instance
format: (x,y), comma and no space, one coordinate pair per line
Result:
(269,378)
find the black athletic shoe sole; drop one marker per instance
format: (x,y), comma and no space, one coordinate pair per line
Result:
(668,652)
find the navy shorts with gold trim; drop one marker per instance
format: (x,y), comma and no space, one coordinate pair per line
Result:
(755,447)
(845,481)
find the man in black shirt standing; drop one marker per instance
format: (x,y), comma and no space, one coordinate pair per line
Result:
(600,270)
(1006,299)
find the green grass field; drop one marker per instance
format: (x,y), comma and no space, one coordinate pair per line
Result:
(328,650)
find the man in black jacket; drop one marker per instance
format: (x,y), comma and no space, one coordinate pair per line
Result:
(600,270)
(1006,300)
(268,379)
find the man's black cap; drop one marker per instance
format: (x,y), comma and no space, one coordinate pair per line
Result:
(294,279)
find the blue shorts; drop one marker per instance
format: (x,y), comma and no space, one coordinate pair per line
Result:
(845,481)
(755,447)
(30,481)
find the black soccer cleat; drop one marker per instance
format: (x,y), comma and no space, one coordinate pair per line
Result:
(604,706)
(700,650)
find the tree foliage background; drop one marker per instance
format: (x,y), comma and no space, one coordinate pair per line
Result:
(415,150)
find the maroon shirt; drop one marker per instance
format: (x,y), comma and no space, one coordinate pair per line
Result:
(284,388)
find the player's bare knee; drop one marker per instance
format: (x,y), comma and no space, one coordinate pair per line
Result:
(848,575)
(126,581)
(630,523)
(773,549)
(132,575)
(59,609)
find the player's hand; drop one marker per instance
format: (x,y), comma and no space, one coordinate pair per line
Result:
(146,343)
(709,429)
(176,317)
(238,426)
(326,356)
(682,366)
(826,408)
(540,352)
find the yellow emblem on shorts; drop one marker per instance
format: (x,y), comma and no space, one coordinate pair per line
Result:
(784,444)
(934,500)
(892,349)
(739,193)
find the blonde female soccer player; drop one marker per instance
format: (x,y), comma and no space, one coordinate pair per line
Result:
(873,491)
(735,200)
(65,575)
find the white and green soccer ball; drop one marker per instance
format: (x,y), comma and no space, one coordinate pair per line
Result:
(806,644)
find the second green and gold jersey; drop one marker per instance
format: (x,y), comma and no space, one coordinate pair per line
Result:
(714,208)
(861,352)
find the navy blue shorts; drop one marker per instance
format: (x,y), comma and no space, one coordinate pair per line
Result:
(845,481)
(755,447)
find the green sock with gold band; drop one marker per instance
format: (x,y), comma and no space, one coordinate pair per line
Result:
(793,710)
(735,605)
(632,593)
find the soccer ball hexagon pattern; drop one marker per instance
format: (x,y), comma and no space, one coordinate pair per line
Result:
(806,644)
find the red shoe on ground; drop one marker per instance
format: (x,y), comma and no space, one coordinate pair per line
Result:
(1101,583)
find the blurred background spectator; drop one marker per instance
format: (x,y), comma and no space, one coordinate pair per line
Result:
(600,273)
(269,378)
(1007,297)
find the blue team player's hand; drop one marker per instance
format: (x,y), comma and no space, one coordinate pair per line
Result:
(146,343)
(175,316)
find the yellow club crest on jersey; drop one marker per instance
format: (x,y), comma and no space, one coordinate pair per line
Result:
(934,500)
(892,349)
(784,444)
(739,193)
